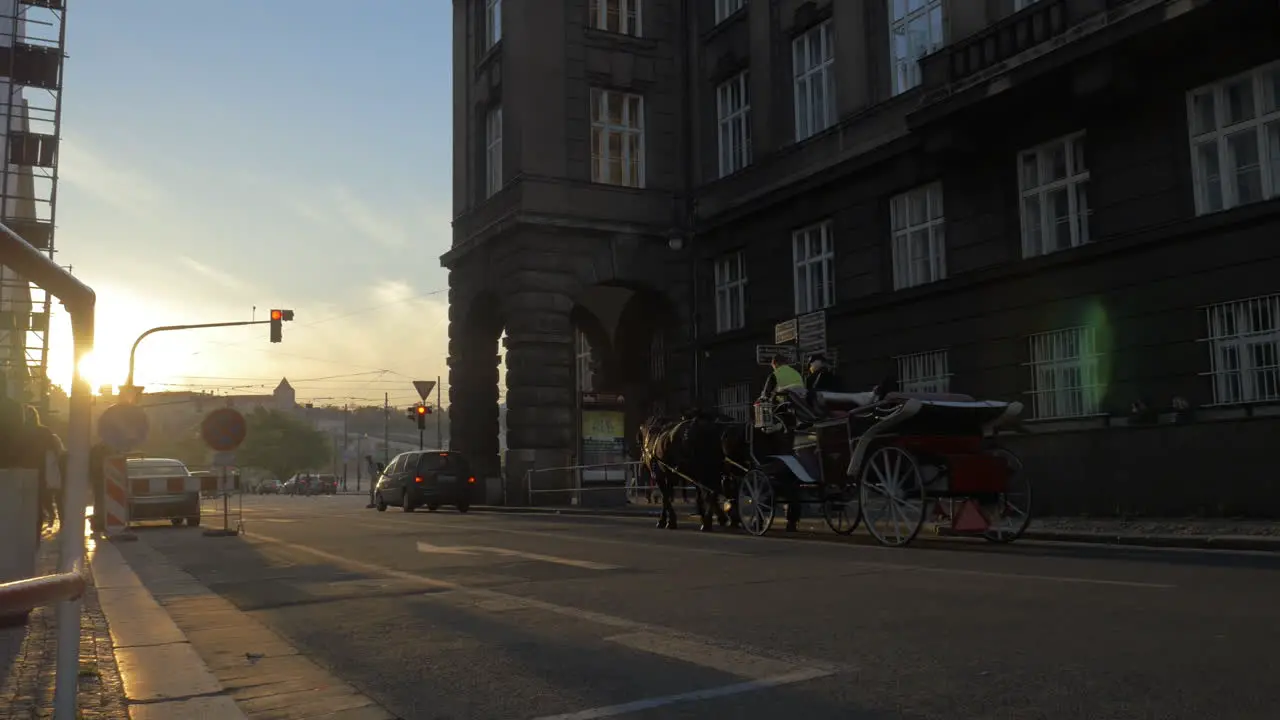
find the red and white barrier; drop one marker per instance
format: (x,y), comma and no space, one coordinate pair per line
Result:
(182,484)
(116,495)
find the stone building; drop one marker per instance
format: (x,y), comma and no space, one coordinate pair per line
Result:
(1072,203)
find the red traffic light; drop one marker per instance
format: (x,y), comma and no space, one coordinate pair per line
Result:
(422,409)
(277,315)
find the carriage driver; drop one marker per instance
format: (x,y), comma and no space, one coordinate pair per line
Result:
(783,378)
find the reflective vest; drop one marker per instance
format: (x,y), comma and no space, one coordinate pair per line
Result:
(787,378)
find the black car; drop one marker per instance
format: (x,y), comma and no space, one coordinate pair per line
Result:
(428,478)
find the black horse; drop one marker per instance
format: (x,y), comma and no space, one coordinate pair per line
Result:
(690,447)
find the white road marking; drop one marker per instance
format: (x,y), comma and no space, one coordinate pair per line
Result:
(726,660)
(442,549)
(798,676)
(504,552)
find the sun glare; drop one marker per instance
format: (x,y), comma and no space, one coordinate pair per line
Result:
(92,369)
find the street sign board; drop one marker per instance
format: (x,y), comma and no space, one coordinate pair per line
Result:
(785,331)
(224,459)
(765,353)
(811,333)
(123,427)
(223,429)
(424,388)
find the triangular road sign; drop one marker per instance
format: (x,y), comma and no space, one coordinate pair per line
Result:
(424,388)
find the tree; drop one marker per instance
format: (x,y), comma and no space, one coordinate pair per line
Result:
(281,444)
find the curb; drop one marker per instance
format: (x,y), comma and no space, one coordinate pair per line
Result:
(1237,543)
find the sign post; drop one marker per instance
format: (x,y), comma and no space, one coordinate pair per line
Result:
(223,430)
(424,388)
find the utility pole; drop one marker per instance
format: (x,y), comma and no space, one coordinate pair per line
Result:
(386,428)
(439,413)
(346,438)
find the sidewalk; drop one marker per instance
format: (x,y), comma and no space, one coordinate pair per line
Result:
(1192,533)
(27,658)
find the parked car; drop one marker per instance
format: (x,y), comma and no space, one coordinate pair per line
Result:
(429,478)
(270,486)
(159,489)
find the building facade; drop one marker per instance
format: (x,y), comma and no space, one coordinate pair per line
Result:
(1071,203)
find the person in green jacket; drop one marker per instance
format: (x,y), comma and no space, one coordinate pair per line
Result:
(783,378)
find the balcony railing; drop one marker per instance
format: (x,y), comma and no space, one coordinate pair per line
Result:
(995,45)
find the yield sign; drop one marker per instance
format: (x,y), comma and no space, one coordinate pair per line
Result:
(424,388)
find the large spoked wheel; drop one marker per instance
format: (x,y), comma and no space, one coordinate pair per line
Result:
(1012,514)
(893,496)
(842,511)
(756,502)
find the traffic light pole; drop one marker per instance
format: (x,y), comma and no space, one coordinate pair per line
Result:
(167,328)
(420,431)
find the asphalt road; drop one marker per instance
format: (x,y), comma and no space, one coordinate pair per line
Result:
(501,616)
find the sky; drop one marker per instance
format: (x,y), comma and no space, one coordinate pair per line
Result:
(218,156)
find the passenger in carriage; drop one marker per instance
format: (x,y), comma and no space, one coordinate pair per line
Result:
(821,377)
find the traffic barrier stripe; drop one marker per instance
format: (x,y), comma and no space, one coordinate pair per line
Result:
(116,495)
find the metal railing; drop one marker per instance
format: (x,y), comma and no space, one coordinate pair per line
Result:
(65,587)
(632,482)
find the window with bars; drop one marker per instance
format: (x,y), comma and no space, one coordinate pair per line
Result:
(492,23)
(1235,140)
(1054,182)
(1064,373)
(731,292)
(925,372)
(1244,350)
(813,61)
(616,16)
(733,111)
(617,138)
(915,30)
(658,357)
(813,255)
(919,237)
(493,151)
(735,401)
(726,8)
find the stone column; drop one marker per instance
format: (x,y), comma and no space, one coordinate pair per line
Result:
(540,401)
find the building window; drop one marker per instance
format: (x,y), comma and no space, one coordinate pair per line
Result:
(924,372)
(658,357)
(733,109)
(731,292)
(1023,4)
(617,138)
(726,8)
(1235,140)
(919,239)
(735,401)
(814,258)
(813,58)
(492,23)
(586,366)
(1244,350)
(493,151)
(915,30)
(616,16)
(1064,374)
(1054,181)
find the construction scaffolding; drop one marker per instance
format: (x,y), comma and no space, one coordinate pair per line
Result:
(32,51)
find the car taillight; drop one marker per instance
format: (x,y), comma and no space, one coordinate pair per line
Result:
(417,479)
(471,479)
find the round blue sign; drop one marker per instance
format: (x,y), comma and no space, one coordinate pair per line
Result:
(123,427)
(223,429)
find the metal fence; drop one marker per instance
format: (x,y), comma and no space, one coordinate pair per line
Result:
(64,587)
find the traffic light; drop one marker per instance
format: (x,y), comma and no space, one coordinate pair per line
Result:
(278,317)
(422,411)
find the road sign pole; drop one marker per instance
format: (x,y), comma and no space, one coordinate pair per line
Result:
(439,420)
(420,431)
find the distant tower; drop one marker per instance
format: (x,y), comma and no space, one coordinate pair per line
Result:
(285,397)
(32,50)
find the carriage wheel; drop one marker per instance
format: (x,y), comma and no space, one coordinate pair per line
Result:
(843,511)
(1014,512)
(893,497)
(756,502)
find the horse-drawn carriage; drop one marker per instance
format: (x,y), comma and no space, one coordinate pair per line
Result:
(895,460)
